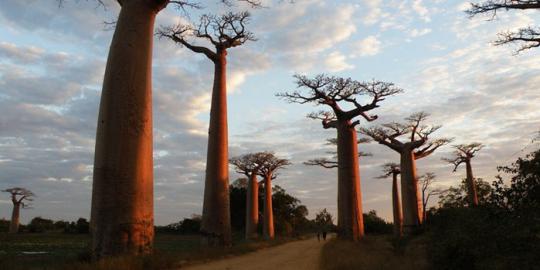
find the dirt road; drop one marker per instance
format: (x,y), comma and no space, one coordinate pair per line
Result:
(298,255)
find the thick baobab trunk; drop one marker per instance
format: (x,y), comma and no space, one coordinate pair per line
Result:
(268,226)
(396,205)
(14,224)
(350,218)
(412,205)
(473,196)
(122,194)
(216,220)
(252,207)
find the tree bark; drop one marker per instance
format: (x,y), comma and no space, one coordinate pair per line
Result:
(350,218)
(412,205)
(122,195)
(216,220)
(396,205)
(252,209)
(268,226)
(473,196)
(14,224)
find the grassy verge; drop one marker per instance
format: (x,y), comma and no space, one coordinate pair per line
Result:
(374,252)
(65,251)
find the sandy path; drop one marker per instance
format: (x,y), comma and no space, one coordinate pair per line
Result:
(298,255)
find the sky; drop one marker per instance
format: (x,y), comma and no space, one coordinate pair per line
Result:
(52,61)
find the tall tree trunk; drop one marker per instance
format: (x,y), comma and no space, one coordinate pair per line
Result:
(412,204)
(216,219)
(14,224)
(396,205)
(473,196)
(350,218)
(122,218)
(252,209)
(268,225)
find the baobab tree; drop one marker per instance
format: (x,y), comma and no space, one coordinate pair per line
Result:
(464,154)
(249,165)
(418,145)
(223,32)
(122,218)
(529,36)
(268,172)
(338,93)
(392,169)
(20,197)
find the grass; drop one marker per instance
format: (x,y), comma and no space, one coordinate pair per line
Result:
(71,252)
(374,252)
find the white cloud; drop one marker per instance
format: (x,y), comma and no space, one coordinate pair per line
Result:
(336,61)
(368,46)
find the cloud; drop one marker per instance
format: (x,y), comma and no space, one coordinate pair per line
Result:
(368,46)
(336,61)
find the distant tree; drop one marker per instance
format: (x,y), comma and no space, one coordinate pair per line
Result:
(339,94)
(418,145)
(222,32)
(249,165)
(522,196)
(288,212)
(394,170)
(375,224)
(324,220)
(20,197)
(529,36)
(426,182)
(237,199)
(40,225)
(456,197)
(268,172)
(464,154)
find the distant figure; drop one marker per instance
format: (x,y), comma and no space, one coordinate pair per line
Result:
(324,235)
(319,236)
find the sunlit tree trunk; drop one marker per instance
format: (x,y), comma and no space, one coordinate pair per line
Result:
(396,205)
(412,204)
(252,209)
(216,220)
(268,225)
(350,219)
(14,224)
(473,196)
(122,195)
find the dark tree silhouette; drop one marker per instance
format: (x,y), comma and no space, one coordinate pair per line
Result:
(336,92)
(330,163)
(416,146)
(20,197)
(392,169)
(223,32)
(268,172)
(529,36)
(122,217)
(324,220)
(249,165)
(426,181)
(464,154)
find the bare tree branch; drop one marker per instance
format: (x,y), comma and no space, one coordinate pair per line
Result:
(332,91)
(463,153)
(529,36)
(223,32)
(390,169)
(419,133)
(20,195)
